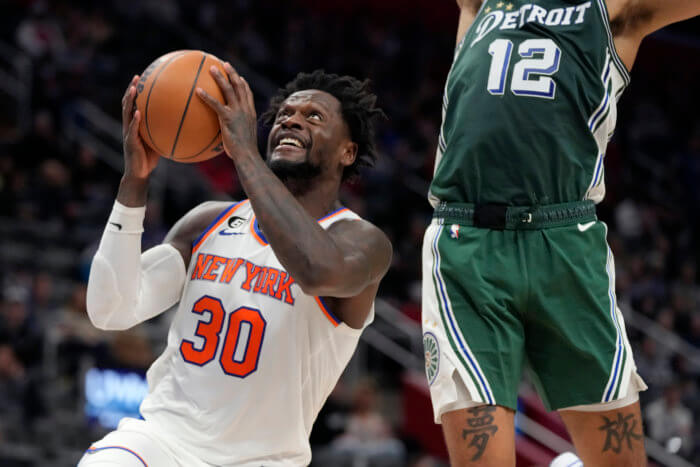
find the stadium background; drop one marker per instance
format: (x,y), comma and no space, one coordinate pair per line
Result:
(63,69)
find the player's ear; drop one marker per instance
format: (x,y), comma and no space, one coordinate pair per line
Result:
(349,153)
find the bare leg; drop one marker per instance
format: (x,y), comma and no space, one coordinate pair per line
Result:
(480,436)
(611,438)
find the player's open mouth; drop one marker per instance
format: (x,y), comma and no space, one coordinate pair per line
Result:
(290,141)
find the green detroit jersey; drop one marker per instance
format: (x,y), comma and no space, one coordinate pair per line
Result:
(529,105)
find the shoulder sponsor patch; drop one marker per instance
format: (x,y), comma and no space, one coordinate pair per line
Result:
(234,226)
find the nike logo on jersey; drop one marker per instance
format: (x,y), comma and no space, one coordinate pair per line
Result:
(265,280)
(586,226)
(528,13)
(118,226)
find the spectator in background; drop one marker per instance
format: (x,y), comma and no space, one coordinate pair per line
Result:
(685,288)
(74,336)
(11,377)
(20,359)
(40,34)
(368,436)
(131,350)
(690,171)
(18,330)
(668,419)
(653,366)
(693,335)
(55,198)
(41,302)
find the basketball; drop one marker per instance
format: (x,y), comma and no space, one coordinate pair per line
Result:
(174,121)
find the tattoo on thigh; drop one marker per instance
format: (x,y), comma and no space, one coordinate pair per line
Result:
(480,428)
(620,431)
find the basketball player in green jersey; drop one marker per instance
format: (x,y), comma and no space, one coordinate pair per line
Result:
(516,268)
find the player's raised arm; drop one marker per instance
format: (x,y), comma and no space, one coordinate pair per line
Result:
(655,14)
(467,12)
(341,262)
(633,20)
(125,286)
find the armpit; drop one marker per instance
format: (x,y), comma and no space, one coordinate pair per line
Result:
(473,5)
(632,17)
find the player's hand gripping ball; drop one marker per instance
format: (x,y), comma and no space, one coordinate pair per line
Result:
(237,117)
(174,122)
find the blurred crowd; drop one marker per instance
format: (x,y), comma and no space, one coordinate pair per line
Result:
(56,192)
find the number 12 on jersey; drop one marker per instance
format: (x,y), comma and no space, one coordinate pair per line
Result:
(242,340)
(521,85)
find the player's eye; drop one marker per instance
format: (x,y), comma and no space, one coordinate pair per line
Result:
(316,116)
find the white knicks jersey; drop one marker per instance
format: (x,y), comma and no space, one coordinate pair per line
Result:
(250,358)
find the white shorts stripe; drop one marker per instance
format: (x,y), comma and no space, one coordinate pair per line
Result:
(617,360)
(452,326)
(606,22)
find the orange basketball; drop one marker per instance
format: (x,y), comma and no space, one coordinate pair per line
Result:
(174,120)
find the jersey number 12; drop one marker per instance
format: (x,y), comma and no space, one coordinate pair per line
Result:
(521,85)
(242,340)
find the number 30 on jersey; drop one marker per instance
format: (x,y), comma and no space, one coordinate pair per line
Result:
(242,340)
(521,83)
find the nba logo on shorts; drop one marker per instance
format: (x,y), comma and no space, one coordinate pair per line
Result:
(454,231)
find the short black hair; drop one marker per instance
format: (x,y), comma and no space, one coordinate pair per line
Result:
(358,106)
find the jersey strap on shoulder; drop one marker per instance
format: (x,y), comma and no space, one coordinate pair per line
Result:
(334,320)
(337,215)
(216,223)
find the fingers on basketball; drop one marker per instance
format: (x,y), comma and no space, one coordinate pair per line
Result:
(174,122)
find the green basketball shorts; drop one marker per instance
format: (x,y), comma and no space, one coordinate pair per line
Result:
(496,300)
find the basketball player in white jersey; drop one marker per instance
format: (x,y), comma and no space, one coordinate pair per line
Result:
(273,291)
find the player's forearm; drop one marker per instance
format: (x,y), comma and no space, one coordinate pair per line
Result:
(133,191)
(305,250)
(125,287)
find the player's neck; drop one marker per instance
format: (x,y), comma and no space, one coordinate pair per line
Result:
(319,197)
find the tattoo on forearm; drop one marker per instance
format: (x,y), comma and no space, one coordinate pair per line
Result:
(620,431)
(480,428)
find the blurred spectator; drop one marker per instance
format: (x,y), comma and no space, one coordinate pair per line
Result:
(131,349)
(18,330)
(12,375)
(42,302)
(693,334)
(686,289)
(74,335)
(368,437)
(54,196)
(669,422)
(653,366)
(39,34)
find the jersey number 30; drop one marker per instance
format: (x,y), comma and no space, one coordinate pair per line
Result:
(521,85)
(242,340)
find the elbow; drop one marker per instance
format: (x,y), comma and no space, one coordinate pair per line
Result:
(328,282)
(329,275)
(100,318)
(311,282)
(317,279)
(103,299)
(103,322)
(97,318)
(101,311)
